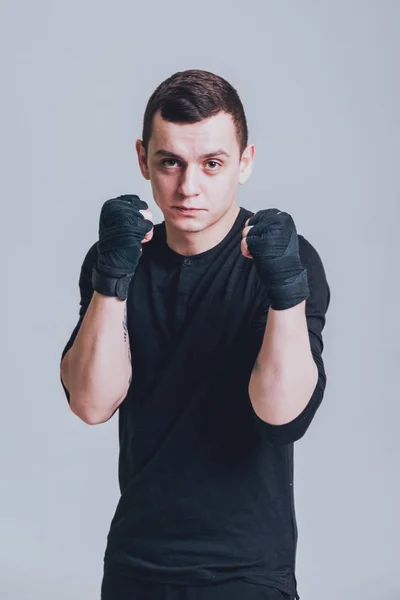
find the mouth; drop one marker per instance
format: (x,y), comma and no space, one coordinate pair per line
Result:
(187,210)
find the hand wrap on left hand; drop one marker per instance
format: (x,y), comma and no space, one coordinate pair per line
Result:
(274,246)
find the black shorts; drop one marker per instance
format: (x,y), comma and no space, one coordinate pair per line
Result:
(113,588)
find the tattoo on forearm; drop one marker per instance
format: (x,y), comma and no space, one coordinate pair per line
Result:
(125,324)
(126,336)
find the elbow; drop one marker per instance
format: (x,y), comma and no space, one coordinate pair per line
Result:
(85,401)
(93,415)
(290,432)
(90,417)
(283,435)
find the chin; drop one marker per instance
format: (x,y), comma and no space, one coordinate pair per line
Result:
(187,227)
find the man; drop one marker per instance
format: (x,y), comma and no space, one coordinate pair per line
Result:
(205,333)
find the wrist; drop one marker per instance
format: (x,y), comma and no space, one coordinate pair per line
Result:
(108,285)
(288,292)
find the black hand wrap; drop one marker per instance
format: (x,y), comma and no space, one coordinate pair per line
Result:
(121,231)
(274,245)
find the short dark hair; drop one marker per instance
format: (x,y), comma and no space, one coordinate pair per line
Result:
(191,96)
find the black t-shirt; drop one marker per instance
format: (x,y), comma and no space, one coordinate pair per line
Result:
(206,485)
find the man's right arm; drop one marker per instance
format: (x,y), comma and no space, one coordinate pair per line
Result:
(96,371)
(96,366)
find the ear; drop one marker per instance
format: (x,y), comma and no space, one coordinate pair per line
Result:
(246,163)
(142,159)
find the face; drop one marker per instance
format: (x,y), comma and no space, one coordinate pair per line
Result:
(195,166)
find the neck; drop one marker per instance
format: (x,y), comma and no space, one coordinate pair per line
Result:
(190,243)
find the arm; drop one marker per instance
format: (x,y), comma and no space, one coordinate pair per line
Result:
(96,367)
(285,374)
(96,371)
(286,392)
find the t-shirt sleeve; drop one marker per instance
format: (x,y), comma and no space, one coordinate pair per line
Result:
(86,293)
(316,308)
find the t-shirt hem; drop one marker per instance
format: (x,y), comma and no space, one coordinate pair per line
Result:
(282,580)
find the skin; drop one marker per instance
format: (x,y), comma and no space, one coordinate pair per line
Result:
(182,176)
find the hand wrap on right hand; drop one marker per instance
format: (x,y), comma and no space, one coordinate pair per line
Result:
(121,231)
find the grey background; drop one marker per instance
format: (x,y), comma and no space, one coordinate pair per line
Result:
(320,84)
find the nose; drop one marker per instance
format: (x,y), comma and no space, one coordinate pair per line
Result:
(189,182)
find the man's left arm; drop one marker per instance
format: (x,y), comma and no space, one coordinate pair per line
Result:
(285,374)
(288,379)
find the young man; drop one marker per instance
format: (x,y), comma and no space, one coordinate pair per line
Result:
(205,332)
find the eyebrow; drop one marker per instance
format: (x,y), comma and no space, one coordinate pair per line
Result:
(163,152)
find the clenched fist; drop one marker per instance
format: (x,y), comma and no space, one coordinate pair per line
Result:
(122,229)
(270,239)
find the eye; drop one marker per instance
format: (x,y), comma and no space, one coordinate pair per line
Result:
(214,165)
(169,160)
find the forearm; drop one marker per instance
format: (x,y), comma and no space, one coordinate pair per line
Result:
(97,369)
(285,374)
